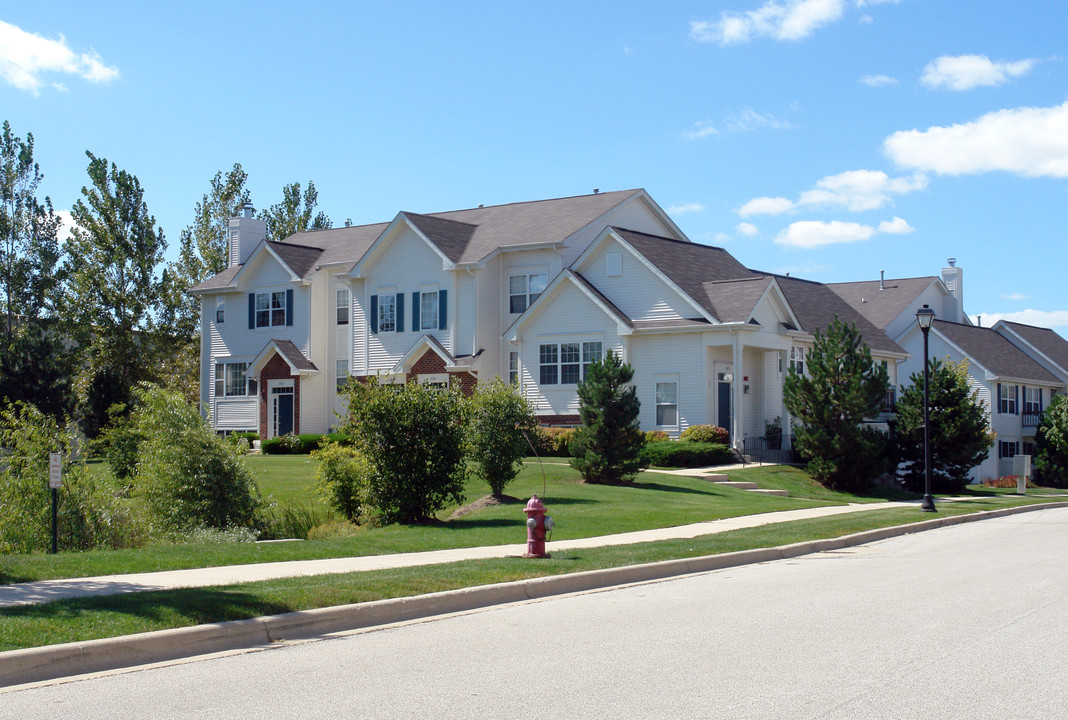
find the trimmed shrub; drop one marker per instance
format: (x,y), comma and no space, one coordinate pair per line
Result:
(500,417)
(342,478)
(655,436)
(686,454)
(302,444)
(555,441)
(706,434)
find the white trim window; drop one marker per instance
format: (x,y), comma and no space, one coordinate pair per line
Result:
(524,289)
(231,381)
(342,306)
(341,373)
(220,311)
(428,310)
(271,308)
(566,363)
(1007,397)
(1008,448)
(667,403)
(387,312)
(1032,402)
(797,359)
(513,368)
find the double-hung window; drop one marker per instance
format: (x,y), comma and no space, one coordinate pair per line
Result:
(1032,400)
(1008,448)
(524,289)
(230,380)
(566,363)
(387,313)
(428,310)
(667,403)
(220,311)
(341,373)
(342,306)
(797,359)
(271,308)
(1007,397)
(513,368)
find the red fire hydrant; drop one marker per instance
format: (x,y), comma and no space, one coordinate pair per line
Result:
(538,525)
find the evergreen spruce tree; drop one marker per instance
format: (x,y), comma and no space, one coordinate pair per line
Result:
(1051,444)
(959,437)
(842,389)
(607,448)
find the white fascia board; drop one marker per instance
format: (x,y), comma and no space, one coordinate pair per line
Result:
(383,240)
(608,232)
(512,333)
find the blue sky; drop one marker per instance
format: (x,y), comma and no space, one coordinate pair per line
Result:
(830,139)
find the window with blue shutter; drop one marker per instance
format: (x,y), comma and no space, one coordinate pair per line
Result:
(400,312)
(443,309)
(289,307)
(374,313)
(252,311)
(416,304)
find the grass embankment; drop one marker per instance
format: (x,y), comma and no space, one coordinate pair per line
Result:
(89,618)
(579,510)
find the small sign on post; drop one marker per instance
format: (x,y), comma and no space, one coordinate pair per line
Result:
(55,471)
(55,482)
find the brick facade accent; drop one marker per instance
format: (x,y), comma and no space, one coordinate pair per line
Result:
(559,420)
(277,369)
(433,364)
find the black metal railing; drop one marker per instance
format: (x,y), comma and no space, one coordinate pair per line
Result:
(769,449)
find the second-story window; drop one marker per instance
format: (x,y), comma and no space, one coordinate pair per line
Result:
(1007,398)
(428,310)
(342,306)
(387,313)
(1032,400)
(797,359)
(271,308)
(524,289)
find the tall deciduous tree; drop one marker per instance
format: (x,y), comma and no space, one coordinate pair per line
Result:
(959,436)
(296,213)
(33,365)
(842,389)
(607,447)
(1051,444)
(113,288)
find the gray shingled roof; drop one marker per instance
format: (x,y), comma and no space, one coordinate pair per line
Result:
(881,306)
(464,236)
(294,355)
(816,306)
(735,300)
(993,352)
(1044,340)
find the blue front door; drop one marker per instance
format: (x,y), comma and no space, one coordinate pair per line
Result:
(724,405)
(285,414)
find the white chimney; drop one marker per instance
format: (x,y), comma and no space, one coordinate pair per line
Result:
(246,232)
(953,277)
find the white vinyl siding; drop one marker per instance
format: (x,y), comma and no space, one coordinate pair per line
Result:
(636,291)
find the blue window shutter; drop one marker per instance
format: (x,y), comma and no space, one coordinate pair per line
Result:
(400,312)
(415,312)
(252,311)
(443,310)
(1016,397)
(374,313)
(999,398)
(1040,406)
(289,307)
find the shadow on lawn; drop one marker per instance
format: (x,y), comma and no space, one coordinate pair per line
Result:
(194,605)
(673,488)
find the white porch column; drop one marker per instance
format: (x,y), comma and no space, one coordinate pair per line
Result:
(737,387)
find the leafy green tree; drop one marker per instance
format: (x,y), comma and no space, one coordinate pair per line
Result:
(342,478)
(842,389)
(191,477)
(501,421)
(34,365)
(960,438)
(413,439)
(296,213)
(607,447)
(113,289)
(1051,443)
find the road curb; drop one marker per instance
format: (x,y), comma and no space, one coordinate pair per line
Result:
(18,667)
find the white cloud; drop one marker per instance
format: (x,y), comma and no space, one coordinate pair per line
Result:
(853,190)
(1040,318)
(1014,296)
(964,72)
(685,208)
(878,80)
(897,226)
(766,206)
(749,119)
(25,56)
(701,129)
(747,229)
(1032,142)
(809,234)
(66,226)
(785,20)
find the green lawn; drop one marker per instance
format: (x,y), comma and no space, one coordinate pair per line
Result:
(580,510)
(88,618)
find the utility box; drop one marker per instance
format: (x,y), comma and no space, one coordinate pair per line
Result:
(1021,468)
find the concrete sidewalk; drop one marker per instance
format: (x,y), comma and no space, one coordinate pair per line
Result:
(50,590)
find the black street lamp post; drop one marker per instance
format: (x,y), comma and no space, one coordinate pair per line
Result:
(925,317)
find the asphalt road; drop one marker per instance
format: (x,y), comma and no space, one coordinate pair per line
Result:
(969,621)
